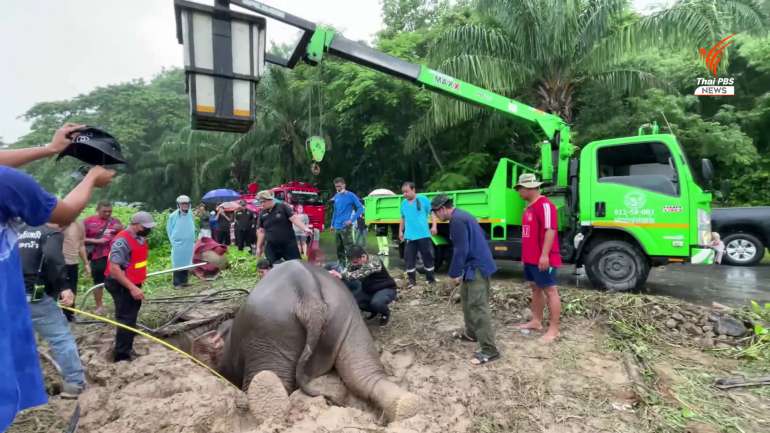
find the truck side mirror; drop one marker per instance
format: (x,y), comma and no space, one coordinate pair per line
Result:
(707,169)
(726,188)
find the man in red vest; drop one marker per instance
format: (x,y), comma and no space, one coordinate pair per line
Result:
(125,274)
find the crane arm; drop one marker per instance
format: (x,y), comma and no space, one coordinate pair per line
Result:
(313,43)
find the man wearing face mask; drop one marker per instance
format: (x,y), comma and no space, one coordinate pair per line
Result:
(181,233)
(125,274)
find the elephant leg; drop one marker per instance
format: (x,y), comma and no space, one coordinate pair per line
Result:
(359,366)
(268,397)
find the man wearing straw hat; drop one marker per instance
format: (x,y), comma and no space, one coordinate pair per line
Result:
(540,255)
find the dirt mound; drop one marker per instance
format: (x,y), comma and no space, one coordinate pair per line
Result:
(579,384)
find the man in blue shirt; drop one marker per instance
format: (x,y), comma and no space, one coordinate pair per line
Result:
(472,265)
(342,221)
(415,211)
(22,200)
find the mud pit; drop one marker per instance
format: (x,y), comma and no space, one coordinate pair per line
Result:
(578,384)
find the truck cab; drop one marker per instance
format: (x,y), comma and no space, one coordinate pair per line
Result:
(307,195)
(637,206)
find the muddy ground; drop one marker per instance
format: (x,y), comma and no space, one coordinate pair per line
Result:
(582,383)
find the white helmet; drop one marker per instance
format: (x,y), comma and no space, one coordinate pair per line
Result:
(183,199)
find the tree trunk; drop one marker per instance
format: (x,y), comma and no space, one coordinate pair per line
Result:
(554,95)
(435,155)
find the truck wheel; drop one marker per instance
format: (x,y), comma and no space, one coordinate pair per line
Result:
(438,256)
(616,265)
(743,249)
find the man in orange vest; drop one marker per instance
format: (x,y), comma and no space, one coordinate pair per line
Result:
(125,274)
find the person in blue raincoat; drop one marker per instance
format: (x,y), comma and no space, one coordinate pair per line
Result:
(181,232)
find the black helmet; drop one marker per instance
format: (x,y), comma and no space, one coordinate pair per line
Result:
(439,201)
(94,146)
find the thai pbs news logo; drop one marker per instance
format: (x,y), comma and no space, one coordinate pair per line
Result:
(715,86)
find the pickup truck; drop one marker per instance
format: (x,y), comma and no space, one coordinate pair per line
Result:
(745,232)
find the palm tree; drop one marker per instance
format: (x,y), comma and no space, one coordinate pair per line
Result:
(542,50)
(197,158)
(281,128)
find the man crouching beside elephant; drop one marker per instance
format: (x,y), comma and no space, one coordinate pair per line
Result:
(372,286)
(298,324)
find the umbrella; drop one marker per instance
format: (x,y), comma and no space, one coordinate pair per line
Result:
(381,191)
(220,195)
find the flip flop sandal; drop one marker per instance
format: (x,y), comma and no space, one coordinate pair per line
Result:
(462,336)
(483,358)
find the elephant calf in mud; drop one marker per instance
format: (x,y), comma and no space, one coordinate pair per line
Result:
(297,324)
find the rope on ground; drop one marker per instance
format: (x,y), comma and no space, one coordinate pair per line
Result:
(157,340)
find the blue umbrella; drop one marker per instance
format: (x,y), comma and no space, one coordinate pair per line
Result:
(220,196)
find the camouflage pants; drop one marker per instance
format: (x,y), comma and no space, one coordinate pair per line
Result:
(344,240)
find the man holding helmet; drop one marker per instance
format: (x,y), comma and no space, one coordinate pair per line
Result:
(181,233)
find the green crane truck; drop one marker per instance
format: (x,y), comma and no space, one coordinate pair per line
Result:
(625,205)
(628,204)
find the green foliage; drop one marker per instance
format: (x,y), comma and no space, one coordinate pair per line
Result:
(597,63)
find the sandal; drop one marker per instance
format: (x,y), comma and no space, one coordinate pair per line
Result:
(483,358)
(462,336)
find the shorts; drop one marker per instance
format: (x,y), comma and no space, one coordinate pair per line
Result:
(301,238)
(542,279)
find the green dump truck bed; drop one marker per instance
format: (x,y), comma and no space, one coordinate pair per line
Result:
(496,207)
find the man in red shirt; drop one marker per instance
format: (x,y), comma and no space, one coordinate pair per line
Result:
(540,255)
(100,230)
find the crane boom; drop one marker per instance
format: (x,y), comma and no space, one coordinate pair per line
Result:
(314,43)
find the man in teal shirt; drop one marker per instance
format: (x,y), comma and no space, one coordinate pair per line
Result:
(342,220)
(415,211)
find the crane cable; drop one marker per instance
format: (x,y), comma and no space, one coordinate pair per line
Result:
(144,334)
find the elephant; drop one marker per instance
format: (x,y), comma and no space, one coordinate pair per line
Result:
(297,324)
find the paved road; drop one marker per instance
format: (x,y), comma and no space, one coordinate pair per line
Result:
(734,286)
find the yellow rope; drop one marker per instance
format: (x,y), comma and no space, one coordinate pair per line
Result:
(144,334)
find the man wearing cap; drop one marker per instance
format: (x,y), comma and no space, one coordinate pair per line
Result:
(125,275)
(180,229)
(540,255)
(275,231)
(472,265)
(245,225)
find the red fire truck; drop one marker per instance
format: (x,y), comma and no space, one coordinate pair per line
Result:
(304,193)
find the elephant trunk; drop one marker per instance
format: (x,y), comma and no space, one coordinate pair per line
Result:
(359,366)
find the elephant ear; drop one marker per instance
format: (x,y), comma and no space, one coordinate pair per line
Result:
(209,348)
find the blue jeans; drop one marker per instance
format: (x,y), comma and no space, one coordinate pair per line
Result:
(361,235)
(376,303)
(49,321)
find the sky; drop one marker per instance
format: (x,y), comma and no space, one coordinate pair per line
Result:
(53,50)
